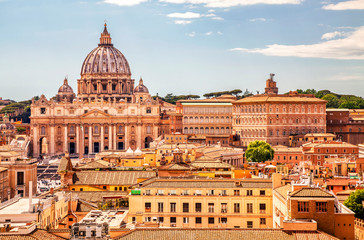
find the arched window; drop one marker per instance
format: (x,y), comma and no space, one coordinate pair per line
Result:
(185,120)
(96,130)
(59,131)
(201,130)
(72,130)
(149,129)
(42,130)
(185,130)
(196,130)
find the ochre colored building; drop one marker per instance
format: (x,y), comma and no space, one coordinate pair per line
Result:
(108,113)
(202,203)
(273,117)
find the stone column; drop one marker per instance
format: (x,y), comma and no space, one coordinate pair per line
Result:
(109,88)
(102,138)
(139,135)
(65,146)
(114,137)
(110,138)
(90,147)
(82,142)
(35,141)
(155,131)
(78,139)
(52,142)
(126,138)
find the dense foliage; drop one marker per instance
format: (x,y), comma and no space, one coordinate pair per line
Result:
(355,203)
(259,151)
(19,110)
(335,100)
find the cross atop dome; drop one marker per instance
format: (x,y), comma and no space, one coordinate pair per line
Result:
(105,38)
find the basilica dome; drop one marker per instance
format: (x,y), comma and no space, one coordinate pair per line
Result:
(105,59)
(141,88)
(65,88)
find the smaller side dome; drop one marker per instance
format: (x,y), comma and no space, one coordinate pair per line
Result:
(65,88)
(65,92)
(141,88)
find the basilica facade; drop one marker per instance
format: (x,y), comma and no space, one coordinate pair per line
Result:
(108,112)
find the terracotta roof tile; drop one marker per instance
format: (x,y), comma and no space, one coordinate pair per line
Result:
(217,234)
(110,177)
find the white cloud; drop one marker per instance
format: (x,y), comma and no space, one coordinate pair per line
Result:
(186,15)
(351,47)
(347,5)
(258,20)
(191,34)
(125,2)
(208,33)
(232,3)
(332,35)
(219,33)
(217,18)
(209,15)
(182,22)
(211,11)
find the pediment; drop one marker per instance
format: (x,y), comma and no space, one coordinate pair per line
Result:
(95,114)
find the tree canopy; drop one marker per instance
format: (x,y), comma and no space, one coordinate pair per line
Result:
(355,203)
(335,100)
(259,151)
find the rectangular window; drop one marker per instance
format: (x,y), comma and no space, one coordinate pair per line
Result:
(160,207)
(173,220)
(249,192)
(211,207)
(198,207)
(173,192)
(236,207)
(198,220)
(147,192)
(161,219)
(249,224)
(303,207)
(42,111)
(263,221)
(211,220)
(236,192)
(198,192)
(249,207)
(185,220)
(223,220)
(224,207)
(321,207)
(160,192)
(148,219)
(173,207)
(262,207)
(148,206)
(223,193)
(210,192)
(186,207)
(262,192)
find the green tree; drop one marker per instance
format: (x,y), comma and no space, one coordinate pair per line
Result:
(348,104)
(332,100)
(259,151)
(20,129)
(355,203)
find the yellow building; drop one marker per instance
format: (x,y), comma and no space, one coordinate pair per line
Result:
(202,203)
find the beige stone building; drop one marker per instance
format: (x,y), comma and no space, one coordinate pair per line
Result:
(273,117)
(108,113)
(202,203)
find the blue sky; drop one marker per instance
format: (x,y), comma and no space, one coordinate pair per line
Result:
(186,46)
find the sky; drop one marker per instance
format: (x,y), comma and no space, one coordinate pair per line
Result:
(186,46)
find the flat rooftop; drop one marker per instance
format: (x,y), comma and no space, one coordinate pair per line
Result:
(18,207)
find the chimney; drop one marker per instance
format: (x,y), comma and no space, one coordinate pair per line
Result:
(30,196)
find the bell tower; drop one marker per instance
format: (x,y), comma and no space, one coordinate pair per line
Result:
(270,85)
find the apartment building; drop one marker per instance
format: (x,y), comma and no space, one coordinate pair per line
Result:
(202,203)
(303,206)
